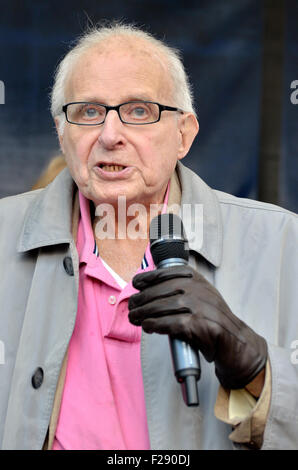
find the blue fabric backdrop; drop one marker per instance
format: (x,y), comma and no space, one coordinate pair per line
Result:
(222,46)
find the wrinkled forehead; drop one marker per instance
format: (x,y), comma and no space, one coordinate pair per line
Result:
(123,65)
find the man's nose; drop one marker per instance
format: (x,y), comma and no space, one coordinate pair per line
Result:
(111,131)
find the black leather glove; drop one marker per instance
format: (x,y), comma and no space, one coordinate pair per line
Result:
(180,302)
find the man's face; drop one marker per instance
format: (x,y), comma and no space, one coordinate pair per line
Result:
(148,153)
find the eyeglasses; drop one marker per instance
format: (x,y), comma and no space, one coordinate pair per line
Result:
(133,112)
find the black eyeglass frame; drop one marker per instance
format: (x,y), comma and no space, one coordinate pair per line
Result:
(161,107)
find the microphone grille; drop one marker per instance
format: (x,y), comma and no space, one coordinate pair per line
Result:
(167,238)
(166,226)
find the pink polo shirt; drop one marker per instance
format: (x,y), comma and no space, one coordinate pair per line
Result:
(103,403)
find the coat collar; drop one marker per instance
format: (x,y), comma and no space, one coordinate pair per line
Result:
(49,218)
(206,220)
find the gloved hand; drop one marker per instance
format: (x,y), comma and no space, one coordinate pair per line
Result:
(180,302)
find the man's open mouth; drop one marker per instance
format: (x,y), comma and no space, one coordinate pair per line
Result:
(111,167)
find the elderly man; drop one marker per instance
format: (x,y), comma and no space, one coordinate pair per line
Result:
(85,316)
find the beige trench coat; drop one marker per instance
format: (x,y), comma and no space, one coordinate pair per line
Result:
(248,252)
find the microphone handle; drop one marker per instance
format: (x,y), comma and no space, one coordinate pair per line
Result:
(186,360)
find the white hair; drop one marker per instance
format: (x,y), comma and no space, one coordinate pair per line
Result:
(182,96)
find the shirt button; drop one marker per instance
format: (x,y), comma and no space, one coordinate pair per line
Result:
(112,300)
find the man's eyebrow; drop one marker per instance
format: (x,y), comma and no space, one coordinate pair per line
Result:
(139,97)
(87,99)
(135,97)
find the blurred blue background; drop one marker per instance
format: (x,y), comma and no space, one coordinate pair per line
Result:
(224,44)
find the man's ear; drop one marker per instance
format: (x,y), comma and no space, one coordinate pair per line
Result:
(60,135)
(188,128)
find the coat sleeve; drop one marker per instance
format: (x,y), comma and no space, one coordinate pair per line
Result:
(273,422)
(246,415)
(281,431)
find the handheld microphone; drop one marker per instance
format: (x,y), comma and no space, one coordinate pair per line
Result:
(169,247)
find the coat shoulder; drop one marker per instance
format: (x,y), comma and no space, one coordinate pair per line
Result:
(13,213)
(17,199)
(226,199)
